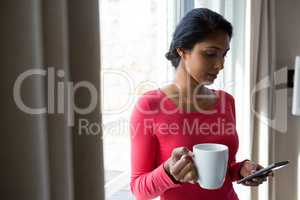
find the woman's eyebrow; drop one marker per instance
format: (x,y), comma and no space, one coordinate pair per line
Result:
(216,47)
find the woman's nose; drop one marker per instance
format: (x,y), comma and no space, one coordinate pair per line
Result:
(219,67)
(220,64)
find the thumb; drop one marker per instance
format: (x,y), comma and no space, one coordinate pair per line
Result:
(253,167)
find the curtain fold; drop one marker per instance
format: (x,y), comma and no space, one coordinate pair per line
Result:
(44,155)
(262,68)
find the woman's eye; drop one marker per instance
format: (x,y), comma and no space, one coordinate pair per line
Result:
(211,54)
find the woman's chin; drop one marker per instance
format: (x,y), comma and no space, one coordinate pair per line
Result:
(208,82)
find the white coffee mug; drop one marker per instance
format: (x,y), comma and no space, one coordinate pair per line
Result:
(211,161)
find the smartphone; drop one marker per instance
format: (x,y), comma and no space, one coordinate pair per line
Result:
(265,171)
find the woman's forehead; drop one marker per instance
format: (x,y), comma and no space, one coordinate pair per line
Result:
(218,41)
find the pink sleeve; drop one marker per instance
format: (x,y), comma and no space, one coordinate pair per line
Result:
(235,167)
(234,170)
(147,180)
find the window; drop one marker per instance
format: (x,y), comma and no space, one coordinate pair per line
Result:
(134,39)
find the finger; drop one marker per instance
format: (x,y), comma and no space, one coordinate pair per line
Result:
(191,176)
(271,174)
(254,168)
(191,154)
(193,172)
(188,167)
(258,167)
(246,183)
(264,179)
(181,151)
(178,152)
(178,166)
(260,181)
(250,183)
(193,182)
(250,167)
(268,175)
(257,180)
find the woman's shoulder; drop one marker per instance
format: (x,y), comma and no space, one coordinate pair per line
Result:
(224,94)
(226,99)
(149,99)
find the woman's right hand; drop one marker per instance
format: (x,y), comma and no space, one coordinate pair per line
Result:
(180,166)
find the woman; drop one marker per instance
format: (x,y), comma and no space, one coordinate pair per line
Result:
(165,122)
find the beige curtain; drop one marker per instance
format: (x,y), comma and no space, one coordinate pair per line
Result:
(44,156)
(262,67)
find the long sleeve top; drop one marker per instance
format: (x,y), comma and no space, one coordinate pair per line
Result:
(157,126)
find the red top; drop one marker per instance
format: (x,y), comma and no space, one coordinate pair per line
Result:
(158,126)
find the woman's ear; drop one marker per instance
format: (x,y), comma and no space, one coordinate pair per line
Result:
(180,52)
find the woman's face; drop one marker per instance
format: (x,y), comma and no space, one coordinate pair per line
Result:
(206,59)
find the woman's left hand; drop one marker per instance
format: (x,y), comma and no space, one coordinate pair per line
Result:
(249,168)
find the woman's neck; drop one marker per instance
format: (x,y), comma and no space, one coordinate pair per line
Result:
(186,84)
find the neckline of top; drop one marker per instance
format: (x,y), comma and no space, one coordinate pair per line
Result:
(201,111)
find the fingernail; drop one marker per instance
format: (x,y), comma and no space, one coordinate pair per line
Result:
(191,155)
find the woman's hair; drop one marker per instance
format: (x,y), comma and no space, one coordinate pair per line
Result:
(195,27)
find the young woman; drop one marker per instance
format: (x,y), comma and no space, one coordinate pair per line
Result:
(167,122)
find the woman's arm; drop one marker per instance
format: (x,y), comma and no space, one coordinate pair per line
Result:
(147,180)
(234,167)
(234,170)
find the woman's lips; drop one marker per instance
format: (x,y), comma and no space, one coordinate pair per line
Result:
(213,75)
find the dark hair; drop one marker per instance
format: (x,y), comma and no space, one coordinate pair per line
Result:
(194,27)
